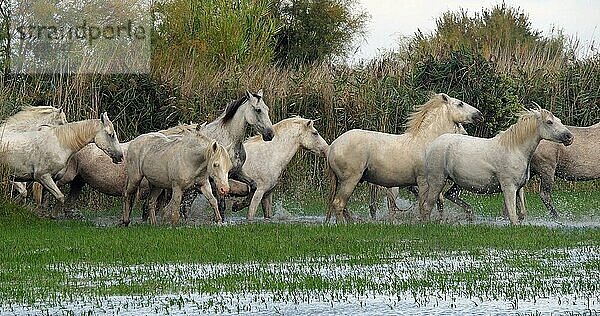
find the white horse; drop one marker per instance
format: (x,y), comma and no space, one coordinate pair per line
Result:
(392,193)
(174,163)
(31,118)
(266,161)
(391,160)
(42,155)
(481,165)
(229,130)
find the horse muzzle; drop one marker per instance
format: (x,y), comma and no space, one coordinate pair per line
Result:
(477,117)
(117,159)
(223,191)
(268,134)
(567,139)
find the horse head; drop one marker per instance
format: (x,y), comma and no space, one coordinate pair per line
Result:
(106,139)
(310,139)
(218,167)
(551,127)
(459,111)
(256,113)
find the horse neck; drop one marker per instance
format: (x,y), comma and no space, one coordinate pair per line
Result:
(433,126)
(76,135)
(230,132)
(523,136)
(199,155)
(286,143)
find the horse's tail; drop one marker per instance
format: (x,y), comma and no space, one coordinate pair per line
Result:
(37,191)
(332,189)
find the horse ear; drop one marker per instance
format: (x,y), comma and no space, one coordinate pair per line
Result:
(60,109)
(445,97)
(309,123)
(248,94)
(104,118)
(539,108)
(214,146)
(259,93)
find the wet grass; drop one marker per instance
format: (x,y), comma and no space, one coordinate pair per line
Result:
(74,261)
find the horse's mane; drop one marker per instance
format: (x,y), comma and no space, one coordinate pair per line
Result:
(420,113)
(281,125)
(179,129)
(233,106)
(525,126)
(75,135)
(29,114)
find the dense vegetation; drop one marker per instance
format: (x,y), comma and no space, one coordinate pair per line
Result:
(493,60)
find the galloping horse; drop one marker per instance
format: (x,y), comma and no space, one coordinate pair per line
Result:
(578,162)
(42,155)
(492,165)
(266,161)
(174,163)
(229,130)
(391,160)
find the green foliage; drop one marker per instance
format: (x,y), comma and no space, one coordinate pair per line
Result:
(469,77)
(215,32)
(317,30)
(489,32)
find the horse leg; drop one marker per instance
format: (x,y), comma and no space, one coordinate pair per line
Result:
(546,184)
(510,196)
(267,204)
(453,194)
(429,190)
(175,204)
(133,182)
(256,198)
(521,204)
(220,199)
(152,201)
(241,176)
(373,193)
(48,183)
(207,192)
(340,200)
(392,194)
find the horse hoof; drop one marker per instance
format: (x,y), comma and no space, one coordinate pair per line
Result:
(123,223)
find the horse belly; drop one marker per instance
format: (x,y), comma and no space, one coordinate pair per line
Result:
(388,176)
(474,179)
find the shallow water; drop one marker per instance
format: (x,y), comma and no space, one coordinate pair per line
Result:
(262,304)
(493,282)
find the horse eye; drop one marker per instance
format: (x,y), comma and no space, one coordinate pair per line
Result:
(549,122)
(315,133)
(460,104)
(258,110)
(216,165)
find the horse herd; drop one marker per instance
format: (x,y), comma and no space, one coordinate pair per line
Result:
(39,145)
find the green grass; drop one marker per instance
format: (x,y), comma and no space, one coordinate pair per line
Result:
(55,261)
